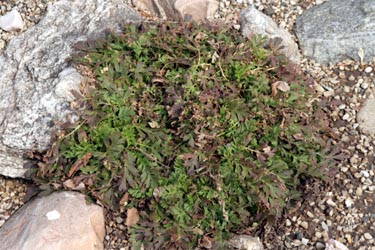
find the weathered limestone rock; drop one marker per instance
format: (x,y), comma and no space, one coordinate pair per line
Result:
(255,22)
(59,221)
(36,80)
(366,117)
(178,9)
(246,242)
(336,30)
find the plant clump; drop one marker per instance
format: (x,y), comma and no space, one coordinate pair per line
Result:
(199,130)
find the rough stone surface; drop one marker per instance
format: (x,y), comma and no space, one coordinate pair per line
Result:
(59,221)
(11,21)
(36,79)
(337,30)
(178,9)
(197,9)
(255,22)
(335,245)
(366,117)
(246,242)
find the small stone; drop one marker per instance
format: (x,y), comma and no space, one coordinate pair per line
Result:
(349,202)
(364,85)
(329,93)
(119,220)
(325,235)
(318,88)
(325,226)
(365,173)
(320,246)
(2,44)
(368,70)
(245,242)
(367,236)
(318,235)
(331,203)
(237,26)
(297,243)
(288,223)
(334,244)
(342,106)
(12,21)
(346,117)
(305,225)
(351,78)
(311,215)
(304,241)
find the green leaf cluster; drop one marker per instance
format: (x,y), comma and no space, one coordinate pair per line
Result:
(184,122)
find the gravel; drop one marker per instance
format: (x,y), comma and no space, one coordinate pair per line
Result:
(343,209)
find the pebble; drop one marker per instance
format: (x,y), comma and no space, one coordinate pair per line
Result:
(320,246)
(365,173)
(325,226)
(367,236)
(304,224)
(305,241)
(12,21)
(329,93)
(288,223)
(331,203)
(364,85)
(368,69)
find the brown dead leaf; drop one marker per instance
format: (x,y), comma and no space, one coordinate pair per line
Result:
(132,217)
(79,163)
(199,37)
(124,200)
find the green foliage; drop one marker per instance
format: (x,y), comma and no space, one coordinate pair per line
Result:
(186,122)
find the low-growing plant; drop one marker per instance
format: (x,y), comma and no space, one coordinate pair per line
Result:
(198,128)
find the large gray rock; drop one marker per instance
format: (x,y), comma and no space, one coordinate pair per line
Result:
(337,30)
(36,80)
(59,221)
(254,22)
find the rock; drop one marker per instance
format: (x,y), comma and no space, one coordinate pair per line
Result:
(338,30)
(367,236)
(2,44)
(160,8)
(245,242)
(366,117)
(332,244)
(305,225)
(197,9)
(59,221)
(12,21)
(255,22)
(36,79)
(320,246)
(178,9)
